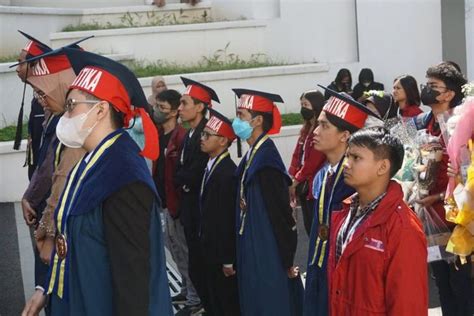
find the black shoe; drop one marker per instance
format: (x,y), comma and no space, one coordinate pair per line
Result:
(178,299)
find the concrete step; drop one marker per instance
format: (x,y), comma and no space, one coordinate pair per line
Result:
(78,4)
(41,21)
(183,44)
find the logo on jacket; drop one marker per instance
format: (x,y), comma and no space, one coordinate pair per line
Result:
(375,244)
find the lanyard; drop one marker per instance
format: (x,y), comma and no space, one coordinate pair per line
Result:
(323,233)
(243,204)
(214,165)
(73,183)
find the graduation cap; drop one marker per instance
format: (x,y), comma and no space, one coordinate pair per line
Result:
(259,101)
(200,91)
(345,111)
(111,81)
(220,124)
(33,48)
(383,102)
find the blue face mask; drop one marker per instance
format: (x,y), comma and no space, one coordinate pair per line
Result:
(242,129)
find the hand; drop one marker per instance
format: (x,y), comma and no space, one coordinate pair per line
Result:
(34,304)
(228,271)
(29,213)
(292,191)
(45,248)
(452,172)
(293,272)
(429,200)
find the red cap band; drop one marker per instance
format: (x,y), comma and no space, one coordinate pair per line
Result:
(345,111)
(105,86)
(199,93)
(220,127)
(261,104)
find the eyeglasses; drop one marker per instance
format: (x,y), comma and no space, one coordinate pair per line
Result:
(71,104)
(432,86)
(40,96)
(205,135)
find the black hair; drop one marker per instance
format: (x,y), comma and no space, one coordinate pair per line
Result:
(316,98)
(204,110)
(410,86)
(340,124)
(451,77)
(382,144)
(343,72)
(171,96)
(267,119)
(366,74)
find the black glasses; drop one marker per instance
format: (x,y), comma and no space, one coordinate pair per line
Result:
(205,135)
(71,104)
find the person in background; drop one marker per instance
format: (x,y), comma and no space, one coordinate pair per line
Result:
(217,230)
(158,85)
(342,83)
(165,115)
(306,160)
(441,93)
(195,102)
(406,95)
(37,115)
(382,103)
(366,83)
(269,282)
(378,252)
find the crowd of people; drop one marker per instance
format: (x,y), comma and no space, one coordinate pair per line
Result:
(109,165)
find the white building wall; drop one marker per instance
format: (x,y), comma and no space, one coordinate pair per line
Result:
(398,37)
(470,38)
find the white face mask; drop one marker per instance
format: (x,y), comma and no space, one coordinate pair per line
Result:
(70,132)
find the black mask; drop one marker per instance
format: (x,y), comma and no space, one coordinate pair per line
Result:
(307,114)
(428,96)
(160,117)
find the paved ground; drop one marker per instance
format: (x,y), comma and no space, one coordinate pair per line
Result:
(16,262)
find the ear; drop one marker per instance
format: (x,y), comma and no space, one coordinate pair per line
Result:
(223,141)
(174,113)
(200,107)
(383,167)
(257,121)
(449,95)
(345,136)
(104,109)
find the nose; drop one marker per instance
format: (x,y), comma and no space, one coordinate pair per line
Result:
(316,131)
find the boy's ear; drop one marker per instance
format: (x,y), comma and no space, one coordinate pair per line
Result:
(384,167)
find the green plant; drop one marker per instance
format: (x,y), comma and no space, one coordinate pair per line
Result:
(8,59)
(8,133)
(148,19)
(222,59)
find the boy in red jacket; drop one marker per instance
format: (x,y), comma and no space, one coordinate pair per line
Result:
(377,260)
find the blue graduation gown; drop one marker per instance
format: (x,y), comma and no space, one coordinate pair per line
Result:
(316,286)
(87,288)
(264,286)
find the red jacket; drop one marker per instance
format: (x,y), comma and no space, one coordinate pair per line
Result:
(411,111)
(305,168)
(171,159)
(383,269)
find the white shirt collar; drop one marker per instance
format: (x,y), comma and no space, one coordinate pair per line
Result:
(210,163)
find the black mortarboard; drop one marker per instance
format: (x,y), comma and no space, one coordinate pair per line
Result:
(200,91)
(346,110)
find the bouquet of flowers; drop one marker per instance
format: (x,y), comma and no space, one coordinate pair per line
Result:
(428,154)
(460,192)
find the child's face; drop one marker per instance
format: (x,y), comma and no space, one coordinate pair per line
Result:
(362,168)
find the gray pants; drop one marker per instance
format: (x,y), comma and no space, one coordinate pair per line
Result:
(175,241)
